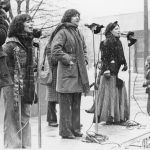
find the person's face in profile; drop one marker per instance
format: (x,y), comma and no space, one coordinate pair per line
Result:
(28,26)
(75,19)
(116,31)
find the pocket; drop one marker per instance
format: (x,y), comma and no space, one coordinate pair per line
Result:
(70,71)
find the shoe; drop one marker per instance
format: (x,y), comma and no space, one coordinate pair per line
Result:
(53,124)
(109,123)
(26,147)
(77,134)
(91,110)
(68,137)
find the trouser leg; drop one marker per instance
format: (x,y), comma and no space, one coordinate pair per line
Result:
(51,112)
(11,120)
(26,128)
(76,102)
(65,122)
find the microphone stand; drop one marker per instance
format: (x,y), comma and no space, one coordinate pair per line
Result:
(131,41)
(129,81)
(95,93)
(95,28)
(95,80)
(19,94)
(36,44)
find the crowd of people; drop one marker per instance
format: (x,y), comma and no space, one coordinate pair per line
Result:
(67,57)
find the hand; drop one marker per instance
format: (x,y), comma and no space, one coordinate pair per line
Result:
(107,74)
(145,84)
(71,63)
(125,68)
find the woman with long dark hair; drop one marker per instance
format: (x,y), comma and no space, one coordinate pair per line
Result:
(68,47)
(20,61)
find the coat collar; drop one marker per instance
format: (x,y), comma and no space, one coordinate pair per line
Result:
(14,39)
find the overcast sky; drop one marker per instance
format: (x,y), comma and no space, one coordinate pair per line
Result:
(98,8)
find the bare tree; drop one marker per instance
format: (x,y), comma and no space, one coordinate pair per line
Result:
(46,14)
(27,6)
(19,2)
(10,11)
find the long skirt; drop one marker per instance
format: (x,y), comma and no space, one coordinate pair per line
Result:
(112,101)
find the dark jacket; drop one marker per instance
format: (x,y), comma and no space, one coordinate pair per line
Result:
(112,56)
(5,78)
(63,49)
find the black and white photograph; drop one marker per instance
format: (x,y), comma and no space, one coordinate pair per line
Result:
(75,74)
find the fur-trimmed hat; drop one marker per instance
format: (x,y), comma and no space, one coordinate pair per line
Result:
(110,27)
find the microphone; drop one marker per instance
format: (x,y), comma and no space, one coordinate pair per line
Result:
(130,38)
(37,33)
(96,28)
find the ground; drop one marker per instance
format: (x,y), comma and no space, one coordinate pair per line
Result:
(119,137)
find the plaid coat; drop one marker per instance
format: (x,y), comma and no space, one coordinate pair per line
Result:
(52,93)
(21,58)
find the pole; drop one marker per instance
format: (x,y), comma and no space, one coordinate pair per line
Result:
(146,32)
(95,93)
(19,94)
(129,81)
(39,102)
(20,117)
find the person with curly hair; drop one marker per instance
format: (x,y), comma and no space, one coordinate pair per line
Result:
(68,47)
(19,97)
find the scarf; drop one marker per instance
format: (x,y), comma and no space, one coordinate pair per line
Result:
(29,87)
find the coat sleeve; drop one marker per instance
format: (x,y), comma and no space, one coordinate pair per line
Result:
(84,47)
(57,48)
(85,51)
(105,56)
(3,30)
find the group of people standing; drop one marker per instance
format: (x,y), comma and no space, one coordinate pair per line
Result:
(67,56)
(68,48)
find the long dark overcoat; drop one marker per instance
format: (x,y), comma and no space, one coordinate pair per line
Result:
(68,77)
